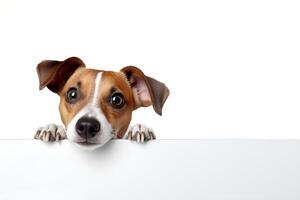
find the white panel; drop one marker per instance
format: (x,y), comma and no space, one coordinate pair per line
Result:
(162,169)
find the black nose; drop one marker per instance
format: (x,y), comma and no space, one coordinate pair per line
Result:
(87,127)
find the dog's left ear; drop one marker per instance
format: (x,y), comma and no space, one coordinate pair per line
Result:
(146,90)
(54,74)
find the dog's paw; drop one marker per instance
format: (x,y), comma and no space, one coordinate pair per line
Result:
(140,133)
(50,132)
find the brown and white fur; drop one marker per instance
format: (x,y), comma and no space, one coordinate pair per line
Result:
(96,105)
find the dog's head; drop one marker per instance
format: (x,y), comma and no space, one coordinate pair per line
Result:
(96,105)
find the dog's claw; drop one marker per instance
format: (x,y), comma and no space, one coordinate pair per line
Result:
(47,136)
(140,133)
(138,137)
(37,134)
(57,137)
(50,132)
(129,135)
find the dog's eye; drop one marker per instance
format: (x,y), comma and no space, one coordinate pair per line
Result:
(116,100)
(72,95)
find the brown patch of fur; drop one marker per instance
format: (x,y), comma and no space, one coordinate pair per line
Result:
(85,80)
(118,118)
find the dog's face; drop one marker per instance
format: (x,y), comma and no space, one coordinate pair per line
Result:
(95,105)
(99,101)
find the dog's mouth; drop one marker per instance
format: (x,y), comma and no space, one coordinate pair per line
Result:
(91,143)
(86,143)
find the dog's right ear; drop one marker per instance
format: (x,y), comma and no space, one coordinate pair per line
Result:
(54,74)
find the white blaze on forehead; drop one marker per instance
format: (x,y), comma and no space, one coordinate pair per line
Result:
(92,110)
(97,85)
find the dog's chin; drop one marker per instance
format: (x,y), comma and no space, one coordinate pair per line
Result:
(89,146)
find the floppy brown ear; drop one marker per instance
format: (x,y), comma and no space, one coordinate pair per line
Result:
(146,90)
(54,74)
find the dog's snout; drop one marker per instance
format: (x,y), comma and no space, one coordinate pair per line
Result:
(87,127)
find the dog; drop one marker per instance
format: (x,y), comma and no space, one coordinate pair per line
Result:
(96,105)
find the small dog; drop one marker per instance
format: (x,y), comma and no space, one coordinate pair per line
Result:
(96,105)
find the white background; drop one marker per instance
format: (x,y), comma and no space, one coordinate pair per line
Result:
(232,66)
